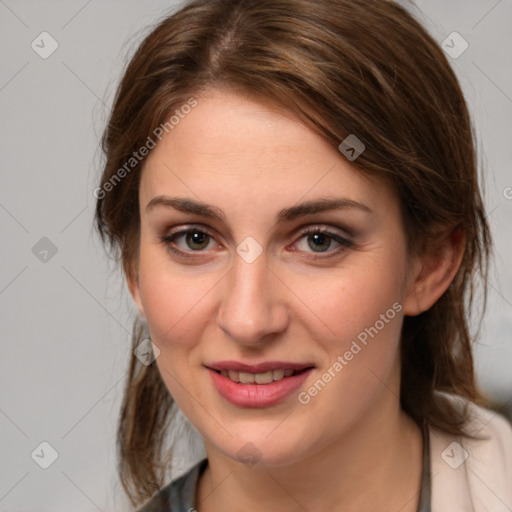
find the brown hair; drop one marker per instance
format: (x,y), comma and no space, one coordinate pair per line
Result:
(363,67)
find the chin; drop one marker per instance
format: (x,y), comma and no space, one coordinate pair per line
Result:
(258,448)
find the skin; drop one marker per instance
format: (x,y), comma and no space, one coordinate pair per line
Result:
(351,447)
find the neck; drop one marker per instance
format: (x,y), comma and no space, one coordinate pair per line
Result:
(376,466)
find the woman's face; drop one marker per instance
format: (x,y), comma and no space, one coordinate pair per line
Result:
(264,253)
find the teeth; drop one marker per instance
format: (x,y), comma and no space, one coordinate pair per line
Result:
(258,378)
(246,378)
(233,375)
(278,374)
(264,378)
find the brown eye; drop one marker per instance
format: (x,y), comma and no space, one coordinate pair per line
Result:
(197,240)
(188,241)
(319,242)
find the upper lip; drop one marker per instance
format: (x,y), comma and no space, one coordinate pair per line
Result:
(259,367)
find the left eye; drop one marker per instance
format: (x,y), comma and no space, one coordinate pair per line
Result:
(320,241)
(196,240)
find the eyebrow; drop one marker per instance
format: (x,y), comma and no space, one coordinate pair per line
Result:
(192,206)
(186,205)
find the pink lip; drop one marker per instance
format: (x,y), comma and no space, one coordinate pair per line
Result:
(258,395)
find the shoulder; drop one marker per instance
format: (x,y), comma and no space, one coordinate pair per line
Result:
(473,473)
(179,495)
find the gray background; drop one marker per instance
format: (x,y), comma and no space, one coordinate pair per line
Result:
(65,318)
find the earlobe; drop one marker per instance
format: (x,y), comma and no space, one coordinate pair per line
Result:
(435,270)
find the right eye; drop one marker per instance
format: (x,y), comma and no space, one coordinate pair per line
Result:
(188,240)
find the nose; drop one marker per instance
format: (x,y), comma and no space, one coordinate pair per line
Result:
(252,309)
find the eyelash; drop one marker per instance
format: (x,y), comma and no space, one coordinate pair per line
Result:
(169,238)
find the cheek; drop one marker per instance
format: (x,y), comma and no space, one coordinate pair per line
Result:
(363,309)
(360,313)
(346,301)
(175,302)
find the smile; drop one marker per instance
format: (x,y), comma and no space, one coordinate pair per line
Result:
(259,385)
(258,378)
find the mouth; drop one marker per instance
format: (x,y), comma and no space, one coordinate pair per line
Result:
(258,385)
(261,377)
(261,373)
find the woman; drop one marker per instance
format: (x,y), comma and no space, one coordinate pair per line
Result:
(291,188)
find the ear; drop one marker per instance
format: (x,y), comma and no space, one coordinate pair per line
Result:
(434,270)
(132,281)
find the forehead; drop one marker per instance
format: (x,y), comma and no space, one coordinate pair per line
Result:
(230,149)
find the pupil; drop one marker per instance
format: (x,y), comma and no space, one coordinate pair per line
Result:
(319,242)
(197,240)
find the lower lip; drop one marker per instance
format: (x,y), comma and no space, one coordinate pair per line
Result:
(257,395)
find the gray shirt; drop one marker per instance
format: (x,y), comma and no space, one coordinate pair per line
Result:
(180,494)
